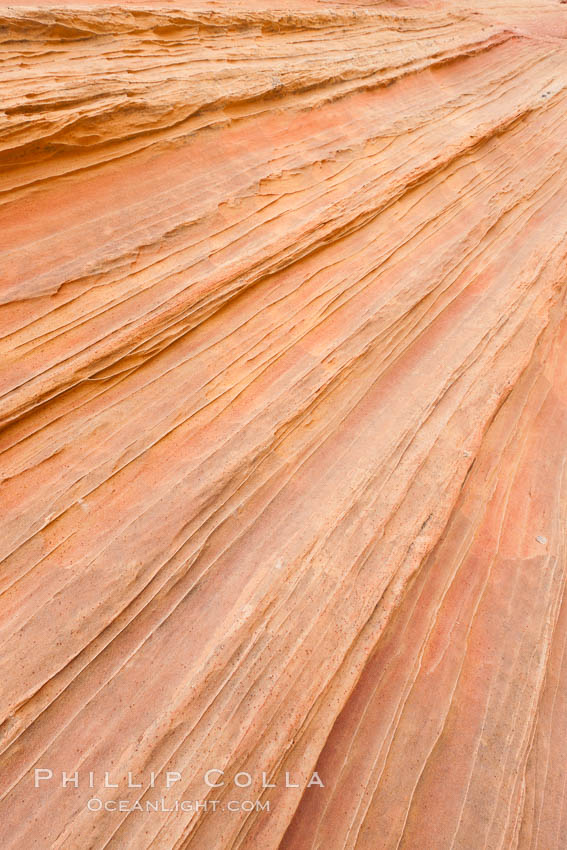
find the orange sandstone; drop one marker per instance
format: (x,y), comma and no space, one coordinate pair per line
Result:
(283,401)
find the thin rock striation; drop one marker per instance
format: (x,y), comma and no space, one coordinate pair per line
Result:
(283,395)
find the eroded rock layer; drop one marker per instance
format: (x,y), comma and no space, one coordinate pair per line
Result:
(284,406)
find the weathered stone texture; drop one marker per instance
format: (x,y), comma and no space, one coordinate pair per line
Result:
(283,389)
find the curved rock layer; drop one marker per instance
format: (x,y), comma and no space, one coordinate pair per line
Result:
(284,406)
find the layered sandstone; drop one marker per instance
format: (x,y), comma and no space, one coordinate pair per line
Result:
(284,407)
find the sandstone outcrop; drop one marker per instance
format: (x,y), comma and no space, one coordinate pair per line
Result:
(284,422)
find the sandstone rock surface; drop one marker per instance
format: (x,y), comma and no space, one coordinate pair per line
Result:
(283,394)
